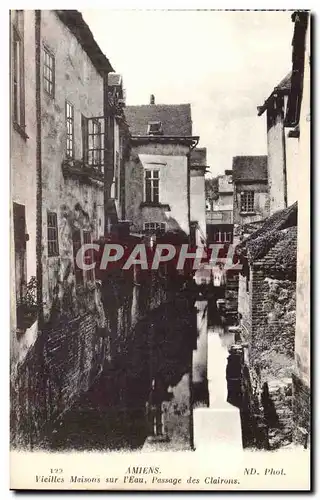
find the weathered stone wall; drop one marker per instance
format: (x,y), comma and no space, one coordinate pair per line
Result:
(79,205)
(302,339)
(128,333)
(268,322)
(292,168)
(23,181)
(301,411)
(60,365)
(276,164)
(261,202)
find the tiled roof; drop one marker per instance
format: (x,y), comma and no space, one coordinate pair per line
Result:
(250,168)
(284,86)
(198,157)
(175,118)
(114,79)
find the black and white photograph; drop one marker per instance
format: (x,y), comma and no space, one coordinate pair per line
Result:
(160,249)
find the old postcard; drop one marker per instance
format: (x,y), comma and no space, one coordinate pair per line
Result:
(160,240)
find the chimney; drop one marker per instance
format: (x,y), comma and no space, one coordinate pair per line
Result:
(152,99)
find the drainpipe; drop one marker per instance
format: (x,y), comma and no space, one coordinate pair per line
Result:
(39,271)
(285,185)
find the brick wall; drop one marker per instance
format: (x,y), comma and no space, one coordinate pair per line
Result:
(62,363)
(68,356)
(268,309)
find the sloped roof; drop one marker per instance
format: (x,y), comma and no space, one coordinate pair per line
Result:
(175,118)
(284,86)
(285,83)
(76,24)
(198,157)
(250,168)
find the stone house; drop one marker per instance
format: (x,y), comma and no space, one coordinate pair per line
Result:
(23,139)
(299,109)
(219,213)
(282,146)
(62,174)
(158,173)
(267,308)
(288,137)
(251,195)
(75,183)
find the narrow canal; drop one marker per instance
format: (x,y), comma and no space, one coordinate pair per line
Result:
(101,420)
(219,424)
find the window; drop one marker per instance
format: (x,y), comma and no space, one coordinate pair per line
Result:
(89,257)
(70,129)
(222,237)
(152,186)
(53,247)
(76,245)
(94,143)
(18,67)
(93,138)
(247,201)
(155,128)
(48,72)
(153,227)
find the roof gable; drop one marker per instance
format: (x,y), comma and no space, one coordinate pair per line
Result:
(283,87)
(250,168)
(175,119)
(76,24)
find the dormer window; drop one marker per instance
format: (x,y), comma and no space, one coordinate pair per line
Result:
(155,128)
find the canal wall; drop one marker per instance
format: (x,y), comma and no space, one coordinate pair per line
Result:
(267,308)
(71,353)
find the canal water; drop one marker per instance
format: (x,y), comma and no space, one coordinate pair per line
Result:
(219,424)
(100,420)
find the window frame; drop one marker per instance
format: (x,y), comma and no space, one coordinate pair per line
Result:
(154,229)
(246,203)
(157,132)
(53,243)
(152,178)
(18,76)
(69,137)
(50,54)
(96,148)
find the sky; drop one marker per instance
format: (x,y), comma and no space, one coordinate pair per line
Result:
(224,63)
